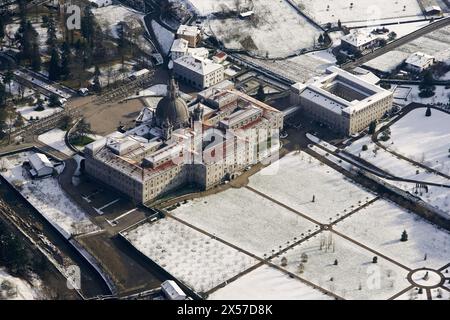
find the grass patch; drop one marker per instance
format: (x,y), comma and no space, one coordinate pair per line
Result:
(81,141)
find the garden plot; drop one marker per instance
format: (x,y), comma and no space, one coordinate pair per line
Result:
(275,30)
(47,196)
(423,139)
(355,276)
(298,178)
(267,283)
(55,138)
(380,226)
(198,261)
(246,220)
(29,112)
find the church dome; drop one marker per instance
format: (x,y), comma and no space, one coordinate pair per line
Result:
(172,108)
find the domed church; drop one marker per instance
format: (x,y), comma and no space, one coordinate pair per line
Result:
(172,109)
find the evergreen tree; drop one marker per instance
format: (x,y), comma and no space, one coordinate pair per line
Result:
(53,101)
(428,112)
(51,33)
(36,59)
(321,39)
(2,31)
(87,25)
(404,236)
(66,60)
(8,78)
(261,95)
(54,68)
(372,127)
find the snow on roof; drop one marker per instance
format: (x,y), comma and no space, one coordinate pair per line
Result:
(39,161)
(172,290)
(315,90)
(190,31)
(419,59)
(433,8)
(179,45)
(198,52)
(359,38)
(246,14)
(202,66)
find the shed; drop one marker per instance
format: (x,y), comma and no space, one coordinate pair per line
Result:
(40,165)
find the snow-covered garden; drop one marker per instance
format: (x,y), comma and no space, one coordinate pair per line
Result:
(246,220)
(423,139)
(344,268)
(380,226)
(197,260)
(438,197)
(307,185)
(267,283)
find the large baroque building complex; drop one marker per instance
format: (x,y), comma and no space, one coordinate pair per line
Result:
(213,140)
(343,101)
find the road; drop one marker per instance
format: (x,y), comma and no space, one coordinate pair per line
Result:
(397,43)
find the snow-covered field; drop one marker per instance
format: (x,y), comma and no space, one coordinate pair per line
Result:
(275,30)
(436,196)
(112,73)
(441,97)
(198,261)
(206,7)
(380,226)
(246,220)
(110,16)
(354,277)
(55,139)
(364,11)
(163,36)
(297,178)
(29,112)
(13,288)
(267,283)
(47,196)
(423,139)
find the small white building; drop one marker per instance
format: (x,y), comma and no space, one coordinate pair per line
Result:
(198,72)
(40,165)
(172,291)
(359,41)
(100,3)
(180,48)
(419,61)
(190,33)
